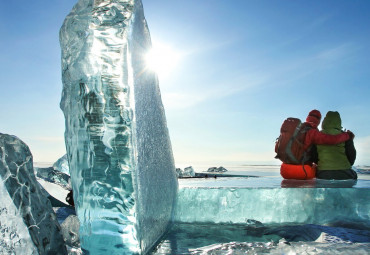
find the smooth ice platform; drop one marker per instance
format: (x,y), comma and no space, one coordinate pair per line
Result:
(238,200)
(252,210)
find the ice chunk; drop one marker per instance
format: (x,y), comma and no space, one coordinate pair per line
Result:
(62,165)
(70,228)
(272,205)
(217,169)
(51,175)
(187,172)
(15,238)
(362,169)
(119,152)
(16,171)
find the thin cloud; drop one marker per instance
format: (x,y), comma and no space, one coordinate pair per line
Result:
(219,90)
(335,54)
(181,101)
(285,73)
(298,68)
(300,35)
(319,22)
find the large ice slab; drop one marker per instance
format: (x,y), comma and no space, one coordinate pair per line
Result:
(118,146)
(319,202)
(23,200)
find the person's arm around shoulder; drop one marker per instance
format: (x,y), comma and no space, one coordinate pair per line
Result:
(318,137)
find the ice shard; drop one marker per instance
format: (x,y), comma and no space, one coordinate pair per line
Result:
(61,164)
(28,223)
(119,152)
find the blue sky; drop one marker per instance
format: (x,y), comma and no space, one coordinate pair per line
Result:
(244,67)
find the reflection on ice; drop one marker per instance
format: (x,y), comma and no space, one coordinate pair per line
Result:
(316,183)
(282,247)
(261,239)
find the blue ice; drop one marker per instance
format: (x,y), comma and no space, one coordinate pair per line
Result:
(270,200)
(118,146)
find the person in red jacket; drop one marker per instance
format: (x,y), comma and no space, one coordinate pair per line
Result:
(313,137)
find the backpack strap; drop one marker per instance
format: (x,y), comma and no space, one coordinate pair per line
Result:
(304,170)
(306,157)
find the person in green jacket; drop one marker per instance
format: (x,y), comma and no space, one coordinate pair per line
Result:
(335,161)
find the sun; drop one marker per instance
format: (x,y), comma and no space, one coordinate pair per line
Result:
(162,59)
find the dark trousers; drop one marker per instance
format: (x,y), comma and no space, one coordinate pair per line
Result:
(336,174)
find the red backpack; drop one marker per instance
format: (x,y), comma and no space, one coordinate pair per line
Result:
(289,146)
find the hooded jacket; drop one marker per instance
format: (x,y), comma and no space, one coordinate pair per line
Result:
(332,157)
(315,137)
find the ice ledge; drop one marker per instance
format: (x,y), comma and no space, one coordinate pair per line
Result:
(270,200)
(214,181)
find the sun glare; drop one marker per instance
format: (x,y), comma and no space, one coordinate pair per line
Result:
(162,59)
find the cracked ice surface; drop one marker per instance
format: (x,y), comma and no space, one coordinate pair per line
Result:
(14,237)
(23,200)
(118,147)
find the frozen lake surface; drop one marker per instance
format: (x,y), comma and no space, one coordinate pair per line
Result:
(258,237)
(261,237)
(267,176)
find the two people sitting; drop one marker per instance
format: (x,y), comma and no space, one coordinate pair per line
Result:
(331,152)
